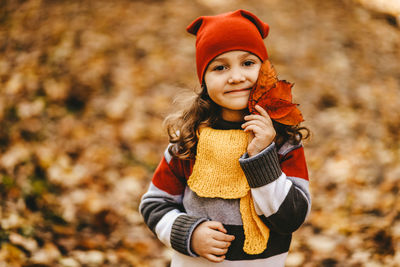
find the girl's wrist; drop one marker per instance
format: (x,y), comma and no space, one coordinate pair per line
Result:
(257,150)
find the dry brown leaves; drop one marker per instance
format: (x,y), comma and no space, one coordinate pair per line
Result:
(85,86)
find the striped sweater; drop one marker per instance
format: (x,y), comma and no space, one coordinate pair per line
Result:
(279,187)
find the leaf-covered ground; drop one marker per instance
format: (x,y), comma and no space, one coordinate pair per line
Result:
(85,85)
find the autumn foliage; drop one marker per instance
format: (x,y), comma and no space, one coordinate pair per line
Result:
(275,96)
(84,89)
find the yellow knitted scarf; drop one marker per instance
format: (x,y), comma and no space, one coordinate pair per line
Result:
(217,174)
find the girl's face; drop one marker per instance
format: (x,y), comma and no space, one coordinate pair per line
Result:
(229,78)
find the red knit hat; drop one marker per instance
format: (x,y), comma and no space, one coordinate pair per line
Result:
(238,30)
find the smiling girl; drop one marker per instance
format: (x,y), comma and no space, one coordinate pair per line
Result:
(231,187)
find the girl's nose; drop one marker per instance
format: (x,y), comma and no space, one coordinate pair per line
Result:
(236,77)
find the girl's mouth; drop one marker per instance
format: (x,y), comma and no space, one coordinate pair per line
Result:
(238,90)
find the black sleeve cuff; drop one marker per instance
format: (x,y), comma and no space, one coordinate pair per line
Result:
(262,168)
(182,231)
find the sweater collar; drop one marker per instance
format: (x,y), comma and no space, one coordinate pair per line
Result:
(227,125)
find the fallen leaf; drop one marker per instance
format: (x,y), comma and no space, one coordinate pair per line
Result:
(275,96)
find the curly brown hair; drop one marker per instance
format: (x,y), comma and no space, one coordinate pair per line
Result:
(183,126)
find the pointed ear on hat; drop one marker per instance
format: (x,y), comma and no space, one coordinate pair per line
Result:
(194,26)
(262,27)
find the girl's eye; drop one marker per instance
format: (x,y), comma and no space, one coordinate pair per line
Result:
(219,67)
(248,63)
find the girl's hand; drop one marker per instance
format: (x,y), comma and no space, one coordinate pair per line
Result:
(210,241)
(261,130)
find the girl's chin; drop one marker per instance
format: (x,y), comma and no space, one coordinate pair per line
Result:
(234,114)
(237,105)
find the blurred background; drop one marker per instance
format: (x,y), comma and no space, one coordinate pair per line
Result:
(85,86)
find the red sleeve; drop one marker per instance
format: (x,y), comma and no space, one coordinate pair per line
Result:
(171,177)
(294,164)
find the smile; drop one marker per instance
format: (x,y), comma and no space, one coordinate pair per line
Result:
(238,90)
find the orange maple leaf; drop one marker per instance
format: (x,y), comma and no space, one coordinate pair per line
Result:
(275,96)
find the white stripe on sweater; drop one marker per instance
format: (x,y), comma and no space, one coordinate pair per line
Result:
(164,226)
(271,196)
(167,155)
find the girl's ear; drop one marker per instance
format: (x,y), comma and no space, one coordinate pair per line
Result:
(262,27)
(194,26)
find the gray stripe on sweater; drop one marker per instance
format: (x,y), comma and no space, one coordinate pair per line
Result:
(156,203)
(158,195)
(288,147)
(303,186)
(225,211)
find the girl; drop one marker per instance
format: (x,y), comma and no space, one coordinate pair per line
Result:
(231,187)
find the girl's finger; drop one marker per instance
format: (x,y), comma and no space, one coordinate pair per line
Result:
(262,111)
(266,120)
(222,244)
(218,251)
(254,128)
(261,124)
(253,117)
(214,258)
(218,236)
(216,226)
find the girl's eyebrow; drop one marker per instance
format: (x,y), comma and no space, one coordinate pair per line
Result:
(245,55)
(219,59)
(242,56)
